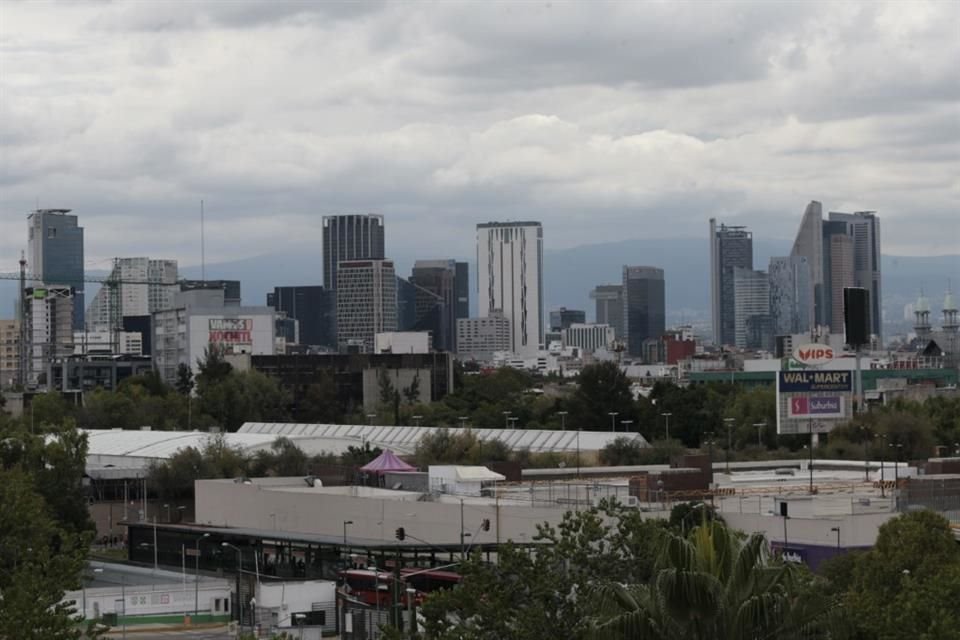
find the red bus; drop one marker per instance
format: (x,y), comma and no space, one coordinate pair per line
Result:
(375,587)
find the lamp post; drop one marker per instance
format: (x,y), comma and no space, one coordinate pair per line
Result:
(239,577)
(896,475)
(578,452)
(810,464)
(563,420)
(729,422)
(345,523)
(666,417)
(626,425)
(370,417)
(883,450)
(760,427)
(196,574)
(513,422)
(613,420)
(506,419)
(463,421)
(123,597)
(837,530)
(417,420)
(866,458)
(83,585)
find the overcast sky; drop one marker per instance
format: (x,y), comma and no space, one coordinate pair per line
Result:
(603,121)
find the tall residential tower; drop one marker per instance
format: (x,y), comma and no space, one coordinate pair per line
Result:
(510,279)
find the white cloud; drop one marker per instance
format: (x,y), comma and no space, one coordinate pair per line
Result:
(600,119)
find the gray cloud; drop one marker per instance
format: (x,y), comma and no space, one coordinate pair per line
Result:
(603,120)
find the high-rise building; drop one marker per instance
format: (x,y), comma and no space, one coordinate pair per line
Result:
(809,244)
(480,338)
(135,299)
(730,248)
(463,290)
(49,320)
(55,254)
(436,300)
(562,318)
(230,288)
(838,270)
(203,317)
(644,306)
(752,309)
(350,237)
(588,337)
(366,302)
(609,299)
(864,228)
(791,295)
(312,307)
(9,353)
(510,279)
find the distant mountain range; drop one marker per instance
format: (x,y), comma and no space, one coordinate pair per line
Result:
(570,274)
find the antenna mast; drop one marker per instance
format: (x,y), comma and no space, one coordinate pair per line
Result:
(203,258)
(24,334)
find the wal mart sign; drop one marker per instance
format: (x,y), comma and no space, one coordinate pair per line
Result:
(807,381)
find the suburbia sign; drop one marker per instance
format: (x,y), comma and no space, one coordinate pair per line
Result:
(813,354)
(816,407)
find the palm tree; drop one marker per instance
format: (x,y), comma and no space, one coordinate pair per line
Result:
(714,585)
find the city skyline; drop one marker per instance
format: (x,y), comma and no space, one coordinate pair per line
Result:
(441,126)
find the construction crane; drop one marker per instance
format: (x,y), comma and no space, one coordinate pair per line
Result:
(113,282)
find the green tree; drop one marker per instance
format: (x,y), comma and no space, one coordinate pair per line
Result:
(537,594)
(412,393)
(713,585)
(907,585)
(602,388)
(184,384)
(48,409)
(39,561)
(320,402)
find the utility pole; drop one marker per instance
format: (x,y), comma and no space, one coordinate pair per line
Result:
(24,334)
(729,422)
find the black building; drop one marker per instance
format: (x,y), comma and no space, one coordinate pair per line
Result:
(296,372)
(644,313)
(350,237)
(231,288)
(313,307)
(562,318)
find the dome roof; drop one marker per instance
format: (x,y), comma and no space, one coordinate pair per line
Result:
(949,304)
(922,305)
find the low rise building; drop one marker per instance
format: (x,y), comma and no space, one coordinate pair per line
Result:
(479,338)
(9,353)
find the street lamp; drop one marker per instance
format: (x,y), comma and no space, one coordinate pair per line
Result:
(883,448)
(810,464)
(896,475)
(837,530)
(83,585)
(167,507)
(239,576)
(666,417)
(506,419)
(729,422)
(513,422)
(760,427)
(463,421)
(626,425)
(563,420)
(370,417)
(345,523)
(417,419)
(613,420)
(866,455)
(196,575)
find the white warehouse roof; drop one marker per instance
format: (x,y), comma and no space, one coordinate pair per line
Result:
(404,439)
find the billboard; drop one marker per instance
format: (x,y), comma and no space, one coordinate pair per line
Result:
(816,407)
(813,355)
(810,381)
(230,331)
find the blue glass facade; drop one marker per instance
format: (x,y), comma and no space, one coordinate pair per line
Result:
(56,254)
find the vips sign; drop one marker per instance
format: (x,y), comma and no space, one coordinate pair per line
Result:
(813,355)
(814,381)
(231,330)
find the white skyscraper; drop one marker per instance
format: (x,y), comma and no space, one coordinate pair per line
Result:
(510,279)
(136,299)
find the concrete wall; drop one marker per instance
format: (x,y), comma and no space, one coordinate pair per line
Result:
(855,530)
(224,503)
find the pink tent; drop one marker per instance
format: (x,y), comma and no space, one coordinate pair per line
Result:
(385,462)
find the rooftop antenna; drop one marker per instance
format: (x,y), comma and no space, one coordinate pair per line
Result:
(203,259)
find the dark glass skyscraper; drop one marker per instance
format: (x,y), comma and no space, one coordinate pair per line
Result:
(350,237)
(644,306)
(312,307)
(55,254)
(730,247)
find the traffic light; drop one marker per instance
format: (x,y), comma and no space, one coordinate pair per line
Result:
(485,525)
(401,534)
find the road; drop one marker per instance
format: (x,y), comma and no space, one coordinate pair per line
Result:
(219,633)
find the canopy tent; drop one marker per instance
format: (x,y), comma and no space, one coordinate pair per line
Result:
(386,462)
